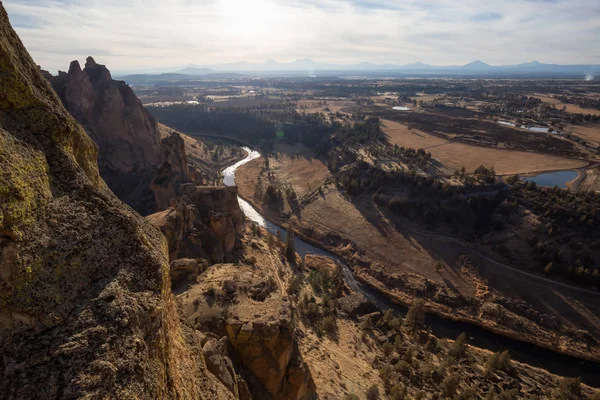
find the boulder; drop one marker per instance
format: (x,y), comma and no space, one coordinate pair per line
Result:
(355,305)
(220,365)
(320,263)
(184,269)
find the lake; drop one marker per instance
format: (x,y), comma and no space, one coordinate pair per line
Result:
(551,179)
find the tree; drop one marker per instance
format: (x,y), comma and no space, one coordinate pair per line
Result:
(290,250)
(415,318)
(459,347)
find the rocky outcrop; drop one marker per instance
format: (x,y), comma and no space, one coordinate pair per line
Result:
(355,305)
(262,343)
(85,305)
(204,222)
(141,170)
(173,172)
(268,350)
(185,269)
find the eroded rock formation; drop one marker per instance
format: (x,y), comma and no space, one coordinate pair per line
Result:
(139,167)
(257,335)
(204,222)
(85,305)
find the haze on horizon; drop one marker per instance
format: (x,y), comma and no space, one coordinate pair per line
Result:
(129,35)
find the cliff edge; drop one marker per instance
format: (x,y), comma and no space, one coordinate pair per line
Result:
(85,303)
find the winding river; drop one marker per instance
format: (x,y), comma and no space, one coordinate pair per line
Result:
(556,363)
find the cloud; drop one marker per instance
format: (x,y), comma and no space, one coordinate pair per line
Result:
(132,34)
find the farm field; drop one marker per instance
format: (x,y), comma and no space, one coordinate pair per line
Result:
(572,108)
(454,155)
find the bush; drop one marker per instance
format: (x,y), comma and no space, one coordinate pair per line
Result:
(459,347)
(398,392)
(449,385)
(569,389)
(329,325)
(415,318)
(403,368)
(499,362)
(373,393)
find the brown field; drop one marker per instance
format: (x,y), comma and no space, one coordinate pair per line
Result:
(245,102)
(589,132)
(456,155)
(298,166)
(292,167)
(333,105)
(572,108)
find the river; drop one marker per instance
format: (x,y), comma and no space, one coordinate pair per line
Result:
(553,362)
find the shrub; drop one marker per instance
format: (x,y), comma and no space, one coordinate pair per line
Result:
(372,392)
(398,392)
(415,318)
(569,389)
(329,325)
(449,385)
(403,368)
(388,348)
(459,347)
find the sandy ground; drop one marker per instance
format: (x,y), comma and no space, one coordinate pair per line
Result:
(591,180)
(572,108)
(456,155)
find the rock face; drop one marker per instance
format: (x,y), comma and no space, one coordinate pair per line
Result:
(268,350)
(260,333)
(140,169)
(85,305)
(203,223)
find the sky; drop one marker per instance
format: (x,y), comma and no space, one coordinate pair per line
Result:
(140,34)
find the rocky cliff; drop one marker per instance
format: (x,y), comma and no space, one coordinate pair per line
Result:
(204,222)
(139,167)
(85,305)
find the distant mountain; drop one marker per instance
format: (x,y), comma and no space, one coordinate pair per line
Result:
(309,67)
(195,71)
(476,65)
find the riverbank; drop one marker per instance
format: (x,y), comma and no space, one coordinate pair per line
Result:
(350,253)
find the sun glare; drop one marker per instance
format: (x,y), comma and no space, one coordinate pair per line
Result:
(249,19)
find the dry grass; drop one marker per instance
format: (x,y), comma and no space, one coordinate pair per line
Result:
(342,367)
(572,108)
(333,105)
(505,162)
(590,132)
(457,155)
(297,166)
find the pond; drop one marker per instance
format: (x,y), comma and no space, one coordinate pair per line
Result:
(551,179)
(541,129)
